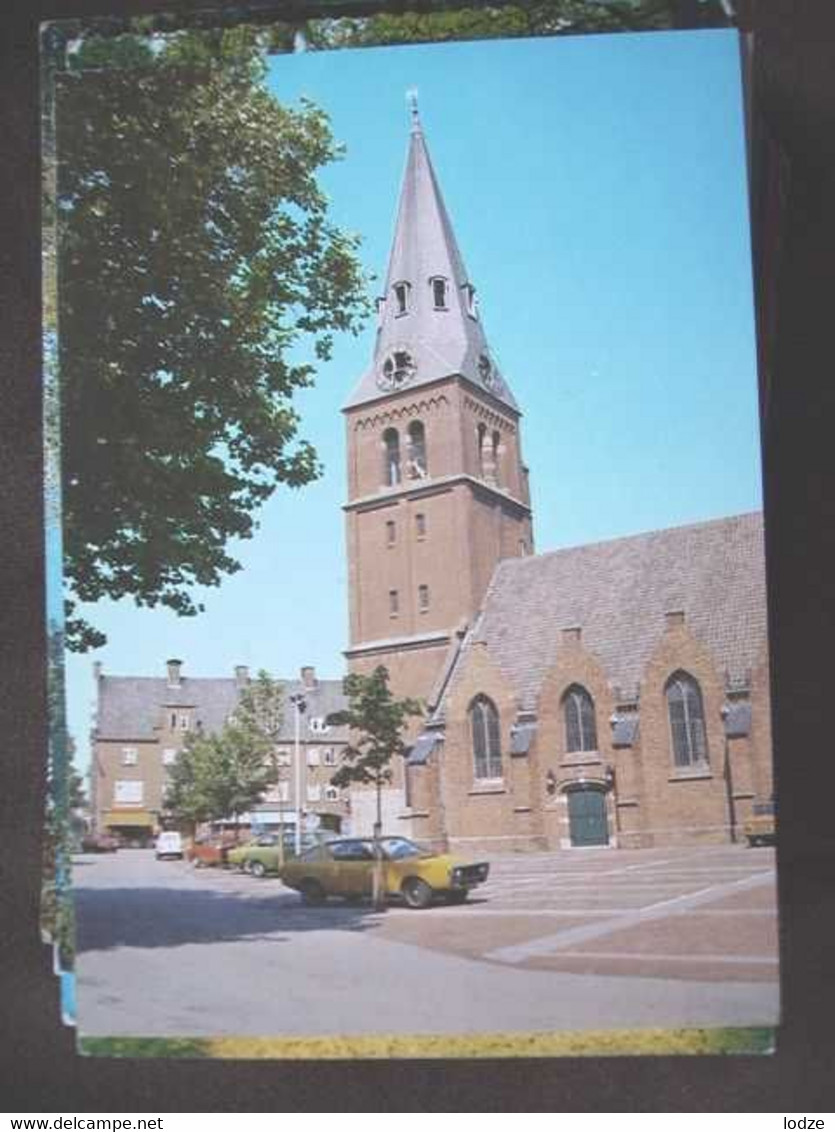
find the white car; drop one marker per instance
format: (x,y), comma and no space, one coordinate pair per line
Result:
(169,844)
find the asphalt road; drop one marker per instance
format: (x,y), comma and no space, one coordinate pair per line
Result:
(592,939)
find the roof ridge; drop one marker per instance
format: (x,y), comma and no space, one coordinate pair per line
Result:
(655,533)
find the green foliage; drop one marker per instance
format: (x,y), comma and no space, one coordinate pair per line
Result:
(224,775)
(196,257)
(537,17)
(261,708)
(377,721)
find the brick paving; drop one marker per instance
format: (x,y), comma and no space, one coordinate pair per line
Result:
(688,914)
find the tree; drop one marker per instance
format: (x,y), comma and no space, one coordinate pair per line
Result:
(377,721)
(199,281)
(524,18)
(224,775)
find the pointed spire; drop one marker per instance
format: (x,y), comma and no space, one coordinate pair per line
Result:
(412,99)
(429,326)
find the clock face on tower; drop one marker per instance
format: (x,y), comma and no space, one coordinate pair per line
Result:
(397,370)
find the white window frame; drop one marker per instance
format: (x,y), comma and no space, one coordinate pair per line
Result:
(169,756)
(130,756)
(314,792)
(128,792)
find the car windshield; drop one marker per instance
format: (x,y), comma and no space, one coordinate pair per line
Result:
(399,848)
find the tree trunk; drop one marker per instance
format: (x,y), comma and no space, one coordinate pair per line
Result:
(377,894)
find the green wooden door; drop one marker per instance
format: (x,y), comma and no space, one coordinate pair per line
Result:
(587,817)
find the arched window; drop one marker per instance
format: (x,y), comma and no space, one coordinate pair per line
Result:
(483,454)
(438,292)
(687,720)
(580,725)
(495,453)
(391,457)
(416,467)
(487,747)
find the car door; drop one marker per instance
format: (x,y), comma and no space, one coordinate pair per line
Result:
(354,863)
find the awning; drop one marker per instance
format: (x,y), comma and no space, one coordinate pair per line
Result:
(625,730)
(423,747)
(129,817)
(521,737)
(738,721)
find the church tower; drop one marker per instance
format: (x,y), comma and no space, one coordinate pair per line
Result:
(437,491)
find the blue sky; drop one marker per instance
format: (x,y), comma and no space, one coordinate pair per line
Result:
(597,189)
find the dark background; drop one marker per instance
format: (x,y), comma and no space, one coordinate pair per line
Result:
(792,150)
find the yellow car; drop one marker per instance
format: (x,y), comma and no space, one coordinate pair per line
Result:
(345,868)
(761,827)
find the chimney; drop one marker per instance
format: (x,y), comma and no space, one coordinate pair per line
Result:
(241,675)
(174,667)
(674,617)
(308,673)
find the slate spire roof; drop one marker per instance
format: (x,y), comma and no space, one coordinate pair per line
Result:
(429,324)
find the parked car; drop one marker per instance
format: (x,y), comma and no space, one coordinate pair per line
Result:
(169,844)
(345,868)
(260,855)
(761,827)
(99,843)
(209,851)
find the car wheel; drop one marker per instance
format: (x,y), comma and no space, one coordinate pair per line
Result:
(457,895)
(312,892)
(256,869)
(416,892)
(245,866)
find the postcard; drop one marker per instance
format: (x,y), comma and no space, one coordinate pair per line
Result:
(405,495)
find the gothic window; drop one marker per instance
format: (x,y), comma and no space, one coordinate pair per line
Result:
(420,525)
(482,444)
(687,721)
(423,598)
(439,292)
(391,463)
(391,532)
(495,451)
(394,603)
(580,725)
(401,298)
(487,748)
(416,467)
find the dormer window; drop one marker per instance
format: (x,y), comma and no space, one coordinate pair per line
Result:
(439,292)
(470,300)
(401,298)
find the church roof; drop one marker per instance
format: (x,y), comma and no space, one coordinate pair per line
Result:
(618,593)
(440,339)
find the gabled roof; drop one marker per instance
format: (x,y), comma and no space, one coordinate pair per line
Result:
(440,342)
(618,593)
(131,707)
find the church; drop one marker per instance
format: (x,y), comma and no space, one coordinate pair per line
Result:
(614,694)
(610,694)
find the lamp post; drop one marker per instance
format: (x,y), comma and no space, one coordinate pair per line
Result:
(725,711)
(300,705)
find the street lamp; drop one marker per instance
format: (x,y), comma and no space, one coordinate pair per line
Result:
(300,704)
(725,711)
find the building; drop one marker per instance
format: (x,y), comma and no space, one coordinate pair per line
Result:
(142,722)
(607,694)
